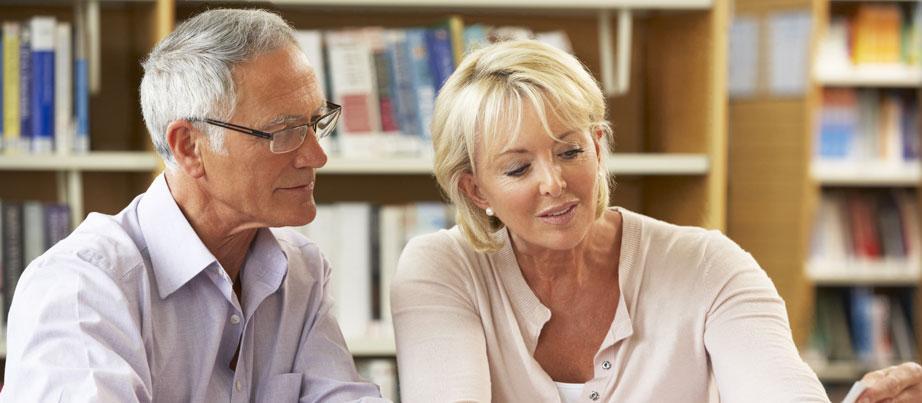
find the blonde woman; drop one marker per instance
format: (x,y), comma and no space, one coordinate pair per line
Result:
(543,292)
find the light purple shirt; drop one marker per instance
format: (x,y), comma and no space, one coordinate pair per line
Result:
(134,308)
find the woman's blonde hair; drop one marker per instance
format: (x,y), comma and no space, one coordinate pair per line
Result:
(484,100)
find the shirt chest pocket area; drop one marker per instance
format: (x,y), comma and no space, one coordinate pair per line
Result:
(282,388)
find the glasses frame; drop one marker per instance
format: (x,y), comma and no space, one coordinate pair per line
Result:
(333,109)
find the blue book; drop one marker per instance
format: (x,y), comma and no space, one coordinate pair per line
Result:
(81,85)
(42,98)
(422,79)
(441,59)
(862,339)
(403,91)
(25,88)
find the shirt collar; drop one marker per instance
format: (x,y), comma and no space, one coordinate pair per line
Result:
(266,263)
(176,253)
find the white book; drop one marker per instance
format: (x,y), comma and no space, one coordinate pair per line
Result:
(33,231)
(63,86)
(311,43)
(353,85)
(392,232)
(43,32)
(381,372)
(352,275)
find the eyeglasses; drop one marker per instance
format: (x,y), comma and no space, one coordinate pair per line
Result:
(290,138)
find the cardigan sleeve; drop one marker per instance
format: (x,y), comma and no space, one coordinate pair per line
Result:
(441,349)
(747,334)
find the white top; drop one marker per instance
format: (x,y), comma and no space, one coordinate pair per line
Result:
(697,321)
(569,392)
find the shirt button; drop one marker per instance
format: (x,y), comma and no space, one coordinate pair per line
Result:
(594,396)
(239,387)
(606,365)
(234,319)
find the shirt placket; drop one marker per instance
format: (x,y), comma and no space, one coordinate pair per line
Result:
(234,335)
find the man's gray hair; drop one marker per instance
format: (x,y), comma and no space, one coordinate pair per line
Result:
(189,73)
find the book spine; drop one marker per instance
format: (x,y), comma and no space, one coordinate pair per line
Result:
(81,84)
(11,124)
(12,250)
(25,89)
(438,43)
(63,87)
(42,98)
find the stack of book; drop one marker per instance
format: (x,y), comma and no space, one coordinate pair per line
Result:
(27,229)
(363,242)
(862,125)
(45,104)
(877,34)
(387,79)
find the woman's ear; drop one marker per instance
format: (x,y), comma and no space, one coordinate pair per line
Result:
(181,138)
(597,135)
(471,189)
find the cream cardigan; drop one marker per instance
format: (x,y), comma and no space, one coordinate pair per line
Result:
(697,321)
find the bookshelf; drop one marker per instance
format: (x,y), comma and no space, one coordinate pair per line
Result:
(780,188)
(670,153)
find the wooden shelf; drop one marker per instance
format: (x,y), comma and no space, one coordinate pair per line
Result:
(529,4)
(372,347)
(866,173)
(618,164)
(851,273)
(117,161)
(625,164)
(884,75)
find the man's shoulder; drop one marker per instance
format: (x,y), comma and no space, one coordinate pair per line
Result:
(102,242)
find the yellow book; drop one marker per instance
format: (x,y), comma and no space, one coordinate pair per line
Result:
(11,123)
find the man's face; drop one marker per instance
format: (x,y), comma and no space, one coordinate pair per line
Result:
(256,187)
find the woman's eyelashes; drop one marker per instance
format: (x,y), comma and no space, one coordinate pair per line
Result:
(521,169)
(517,170)
(571,153)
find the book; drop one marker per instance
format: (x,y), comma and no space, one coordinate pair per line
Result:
(11,115)
(81,80)
(41,100)
(63,89)
(12,235)
(25,88)
(352,84)
(33,231)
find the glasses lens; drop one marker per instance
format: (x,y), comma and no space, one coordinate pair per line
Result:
(327,123)
(287,140)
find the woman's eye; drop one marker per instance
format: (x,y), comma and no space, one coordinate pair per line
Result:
(571,154)
(517,171)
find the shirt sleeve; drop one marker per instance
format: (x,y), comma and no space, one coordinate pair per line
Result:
(328,366)
(72,335)
(441,348)
(747,334)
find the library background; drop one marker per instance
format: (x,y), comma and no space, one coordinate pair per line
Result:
(791,125)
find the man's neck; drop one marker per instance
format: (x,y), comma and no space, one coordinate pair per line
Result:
(228,240)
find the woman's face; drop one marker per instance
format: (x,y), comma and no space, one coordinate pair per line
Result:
(543,189)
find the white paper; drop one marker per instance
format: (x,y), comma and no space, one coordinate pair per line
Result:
(854,392)
(744,57)
(789,52)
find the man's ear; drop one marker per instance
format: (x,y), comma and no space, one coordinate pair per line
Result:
(472,190)
(185,145)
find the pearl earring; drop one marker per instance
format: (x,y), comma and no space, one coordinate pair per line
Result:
(489,211)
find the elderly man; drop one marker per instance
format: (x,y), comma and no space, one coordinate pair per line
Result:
(187,295)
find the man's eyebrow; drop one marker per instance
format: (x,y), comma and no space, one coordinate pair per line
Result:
(282,119)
